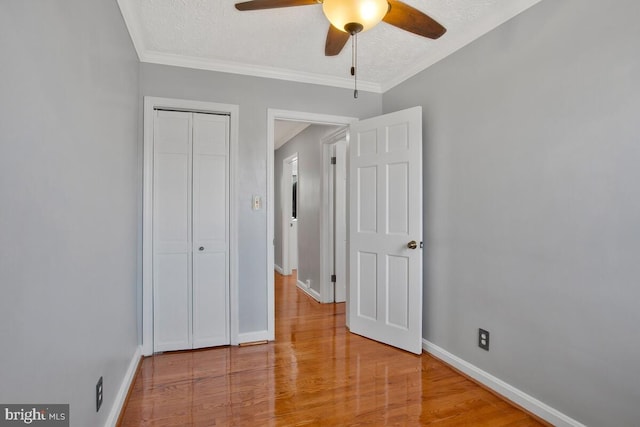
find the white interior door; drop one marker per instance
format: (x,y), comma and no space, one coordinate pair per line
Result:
(289,165)
(293,243)
(293,222)
(190,231)
(340,223)
(385,277)
(210,230)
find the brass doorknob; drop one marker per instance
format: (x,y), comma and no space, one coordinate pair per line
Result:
(412,244)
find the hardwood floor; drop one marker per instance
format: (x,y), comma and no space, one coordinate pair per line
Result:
(315,374)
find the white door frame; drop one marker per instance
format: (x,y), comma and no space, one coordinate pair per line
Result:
(272,116)
(286,207)
(326,216)
(150,104)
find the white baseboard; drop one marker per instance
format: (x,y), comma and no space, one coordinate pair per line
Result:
(127,382)
(278,269)
(253,337)
(511,393)
(312,293)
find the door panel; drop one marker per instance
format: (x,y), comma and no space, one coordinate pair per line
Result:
(367,285)
(398,138)
(366,197)
(397,288)
(397,194)
(293,244)
(210,230)
(171,302)
(210,296)
(367,143)
(172,201)
(386,188)
(190,230)
(172,231)
(209,207)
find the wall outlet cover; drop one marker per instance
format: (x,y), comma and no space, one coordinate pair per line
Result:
(483,339)
(99,394)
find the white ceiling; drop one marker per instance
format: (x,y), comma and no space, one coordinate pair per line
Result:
(289,43)
(285,130)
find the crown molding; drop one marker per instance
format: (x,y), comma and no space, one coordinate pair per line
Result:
(448,45)
(256,71)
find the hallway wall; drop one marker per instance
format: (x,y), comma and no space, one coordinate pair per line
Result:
(308,145)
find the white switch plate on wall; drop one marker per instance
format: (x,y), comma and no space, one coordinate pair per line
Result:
(256,202)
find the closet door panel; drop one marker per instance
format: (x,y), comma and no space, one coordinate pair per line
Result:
(210,230)
(210,324)
(172,242)
(171,303)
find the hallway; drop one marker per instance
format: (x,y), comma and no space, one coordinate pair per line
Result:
(314,374)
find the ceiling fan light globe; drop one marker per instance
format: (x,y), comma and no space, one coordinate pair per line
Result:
(367,13)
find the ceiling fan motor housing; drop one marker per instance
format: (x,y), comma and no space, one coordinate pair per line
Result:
(353,27)
(350,17)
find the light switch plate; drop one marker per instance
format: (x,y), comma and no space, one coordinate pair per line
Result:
(256,202)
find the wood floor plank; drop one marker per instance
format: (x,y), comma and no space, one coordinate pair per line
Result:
(316,373)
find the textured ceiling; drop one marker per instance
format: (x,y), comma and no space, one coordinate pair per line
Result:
(289,43)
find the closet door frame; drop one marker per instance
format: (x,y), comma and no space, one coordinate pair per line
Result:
(150,105)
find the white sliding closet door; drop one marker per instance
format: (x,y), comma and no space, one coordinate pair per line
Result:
(190,230)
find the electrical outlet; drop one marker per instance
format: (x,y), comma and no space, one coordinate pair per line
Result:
(483,339)
(99,394)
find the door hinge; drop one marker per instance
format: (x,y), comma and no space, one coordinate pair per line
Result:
(333,278)
(333,160)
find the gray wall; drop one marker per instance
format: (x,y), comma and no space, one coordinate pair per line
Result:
(308,145)
(68,185)
(254,96)
(532,204)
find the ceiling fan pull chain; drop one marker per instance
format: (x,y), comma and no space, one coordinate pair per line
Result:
(354,63)
(353,55)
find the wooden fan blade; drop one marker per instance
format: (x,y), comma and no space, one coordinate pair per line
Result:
(336,40)
(403,16)
(272,4)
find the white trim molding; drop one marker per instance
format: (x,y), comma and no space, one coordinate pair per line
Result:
(307,290)
(278,269)
(209,64)
(446,46)
(123,391)
(150,104)
(502,388)
(246,337)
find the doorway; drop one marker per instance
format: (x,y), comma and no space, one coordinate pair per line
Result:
(334,227)
(289,214)
(313,118)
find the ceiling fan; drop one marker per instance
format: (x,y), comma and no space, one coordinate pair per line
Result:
(349,17)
